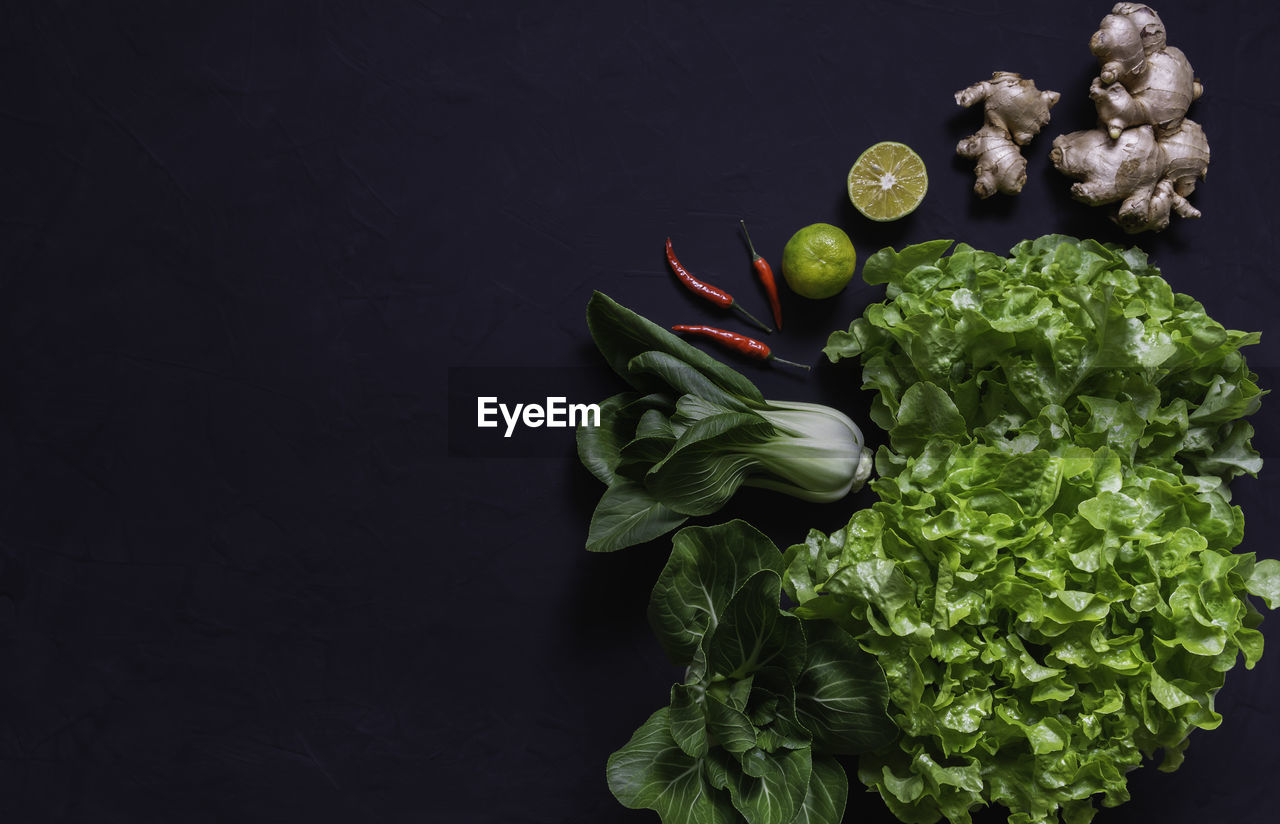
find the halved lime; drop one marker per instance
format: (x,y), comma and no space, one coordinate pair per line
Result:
(888,181)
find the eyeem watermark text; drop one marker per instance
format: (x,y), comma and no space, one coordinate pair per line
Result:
(524,411)
(556,413)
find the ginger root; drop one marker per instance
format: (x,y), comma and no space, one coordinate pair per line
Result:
(1145,154)
(1014,112)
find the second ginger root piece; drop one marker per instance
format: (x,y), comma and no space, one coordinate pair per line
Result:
(1145,154)
(1014,112)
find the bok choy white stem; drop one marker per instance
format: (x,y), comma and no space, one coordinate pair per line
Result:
(692,431)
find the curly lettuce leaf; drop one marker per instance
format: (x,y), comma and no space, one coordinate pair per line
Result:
(1043,621)
(1063,342)
(1265,582)
(1049,578)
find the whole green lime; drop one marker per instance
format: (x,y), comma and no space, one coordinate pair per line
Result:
(818,261)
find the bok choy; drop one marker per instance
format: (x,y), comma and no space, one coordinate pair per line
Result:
(692,431)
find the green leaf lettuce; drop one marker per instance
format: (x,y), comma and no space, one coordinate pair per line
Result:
(1049,578)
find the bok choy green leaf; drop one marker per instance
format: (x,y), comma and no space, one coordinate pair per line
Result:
(768,700)
(692,431)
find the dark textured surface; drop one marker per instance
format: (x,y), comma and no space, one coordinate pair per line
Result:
(242,577)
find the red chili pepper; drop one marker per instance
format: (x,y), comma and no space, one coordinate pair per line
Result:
(739,343)
(765,273)
(705,290)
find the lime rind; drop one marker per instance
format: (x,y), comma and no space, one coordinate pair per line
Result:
(888,181)
(819,261)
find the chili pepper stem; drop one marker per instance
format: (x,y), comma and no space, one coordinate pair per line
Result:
(750,317)
(747,235)
(803,366)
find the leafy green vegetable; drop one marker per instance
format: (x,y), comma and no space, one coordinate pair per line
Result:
(694,431)
(767,702)
(1048,578)
(1065,342)
(1041,627)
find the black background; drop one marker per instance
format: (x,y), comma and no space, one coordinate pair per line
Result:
(244,578)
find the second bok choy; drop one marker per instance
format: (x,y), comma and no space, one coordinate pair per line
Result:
(692,431)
